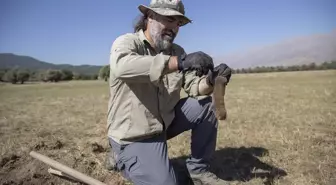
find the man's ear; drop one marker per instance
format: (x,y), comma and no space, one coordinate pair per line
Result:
(150,20)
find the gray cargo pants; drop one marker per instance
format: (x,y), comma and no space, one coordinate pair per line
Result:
(147,162)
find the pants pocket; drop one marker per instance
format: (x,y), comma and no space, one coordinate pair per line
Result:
(129,166)
(132,164)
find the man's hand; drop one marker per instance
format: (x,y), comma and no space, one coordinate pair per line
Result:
(198,61)
(221,70)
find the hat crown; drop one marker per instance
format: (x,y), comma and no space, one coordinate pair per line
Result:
(171,4)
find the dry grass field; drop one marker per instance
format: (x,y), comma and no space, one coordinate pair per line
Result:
(281,129)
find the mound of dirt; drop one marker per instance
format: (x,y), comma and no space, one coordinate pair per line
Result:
(43,145)
(97,148)
(16,172)
(8,161)
(19,168)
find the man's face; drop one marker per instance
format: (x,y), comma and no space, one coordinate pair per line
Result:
(163,31)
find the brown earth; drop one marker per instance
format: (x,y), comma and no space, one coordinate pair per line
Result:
(280,130)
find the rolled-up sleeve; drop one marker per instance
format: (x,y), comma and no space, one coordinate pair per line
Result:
(196,86)
(127,64)
(191,83)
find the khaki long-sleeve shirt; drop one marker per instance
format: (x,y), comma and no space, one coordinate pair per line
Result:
(142,95)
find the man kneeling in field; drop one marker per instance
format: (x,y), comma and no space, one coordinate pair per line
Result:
(148,72)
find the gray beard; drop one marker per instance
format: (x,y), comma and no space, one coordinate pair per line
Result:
(161,44)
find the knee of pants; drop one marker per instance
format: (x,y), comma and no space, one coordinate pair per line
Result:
(208,115)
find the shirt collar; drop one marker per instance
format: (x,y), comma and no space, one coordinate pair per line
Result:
(143,38)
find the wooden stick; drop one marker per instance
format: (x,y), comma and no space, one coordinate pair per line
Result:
(218,97)
(65,169)
(62,175)
(55,172)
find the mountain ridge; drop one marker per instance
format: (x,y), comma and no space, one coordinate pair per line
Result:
(10,60)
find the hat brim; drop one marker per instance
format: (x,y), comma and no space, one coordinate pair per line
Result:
(165,12)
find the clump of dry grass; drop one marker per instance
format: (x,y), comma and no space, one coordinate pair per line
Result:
(280,130)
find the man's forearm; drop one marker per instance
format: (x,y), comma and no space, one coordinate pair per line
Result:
(128,65)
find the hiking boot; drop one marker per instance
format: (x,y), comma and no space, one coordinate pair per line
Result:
(110,161)
(207,178)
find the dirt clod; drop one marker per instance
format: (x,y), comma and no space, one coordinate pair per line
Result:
(37,176)
(40,145)
(57,145)
(97,148)
(9,160)
(9,183)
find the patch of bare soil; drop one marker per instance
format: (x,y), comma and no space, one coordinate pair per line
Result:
(19,170)
(24,170)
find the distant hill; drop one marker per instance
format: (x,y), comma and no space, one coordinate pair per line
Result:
(298,51)
(8,60)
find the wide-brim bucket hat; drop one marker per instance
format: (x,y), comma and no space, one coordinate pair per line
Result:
(166,8)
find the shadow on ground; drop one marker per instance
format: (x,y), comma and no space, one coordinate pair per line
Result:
(235,164)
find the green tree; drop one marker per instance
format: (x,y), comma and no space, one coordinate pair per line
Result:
(329,65)
(94,77)
(243,70)
(85,77)
(104,72)
(36,75)
(22,76)
(312,66)
(52,75)
(66,75)
(76,76)
(333,65)
(2,74)
(237,71)
(11,76)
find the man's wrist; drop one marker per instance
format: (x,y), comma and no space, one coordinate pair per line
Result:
(172,64)
(175,63)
